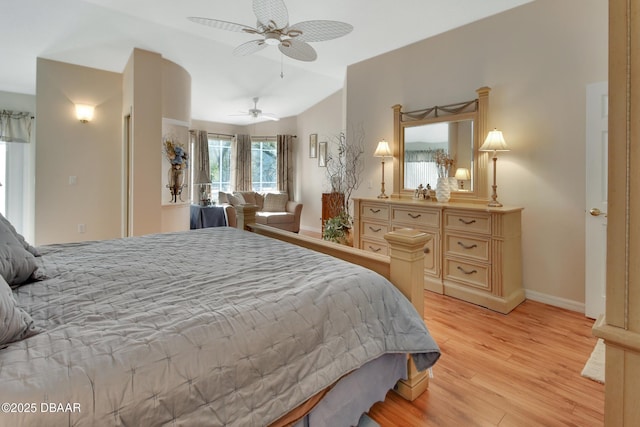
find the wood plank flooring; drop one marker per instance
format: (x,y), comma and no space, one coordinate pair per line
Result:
(516,370)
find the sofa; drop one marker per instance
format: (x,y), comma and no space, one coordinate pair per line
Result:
(274,209)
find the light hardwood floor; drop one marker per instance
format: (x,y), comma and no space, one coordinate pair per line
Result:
(521,369)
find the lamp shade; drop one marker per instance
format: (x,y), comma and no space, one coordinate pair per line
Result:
(383,150)
(84,112)
(203,177)
(494,142)
(462,174)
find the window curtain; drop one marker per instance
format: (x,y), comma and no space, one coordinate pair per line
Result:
(200,162)
(285,176)
(241,159)
(15,131)
(15,126)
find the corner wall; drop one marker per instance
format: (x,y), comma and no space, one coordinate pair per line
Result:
(66,148)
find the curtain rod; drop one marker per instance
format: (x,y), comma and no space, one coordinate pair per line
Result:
(270,136)
(252,136)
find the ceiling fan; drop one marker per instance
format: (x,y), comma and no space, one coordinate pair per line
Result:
(273,26)
(255,112)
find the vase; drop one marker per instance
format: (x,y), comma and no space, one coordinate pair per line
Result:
(443,192)
(176,183)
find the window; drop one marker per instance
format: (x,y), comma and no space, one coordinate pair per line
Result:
(220,163)
(264,162)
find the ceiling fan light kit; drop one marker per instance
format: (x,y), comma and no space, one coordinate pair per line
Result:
(273,26)
(257,113)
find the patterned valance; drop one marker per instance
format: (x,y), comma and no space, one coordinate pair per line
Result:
(15,126)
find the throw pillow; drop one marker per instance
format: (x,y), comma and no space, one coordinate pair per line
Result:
(222,197)
(248,196)
(275,202)
(15,323)
(16,263)
(18,236)
(236,199)
(259,201)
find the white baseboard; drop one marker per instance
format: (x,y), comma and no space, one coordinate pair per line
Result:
(554,301)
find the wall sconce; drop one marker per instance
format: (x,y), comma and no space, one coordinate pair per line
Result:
(462,174)
(84,112)
(495,142)
(383,151)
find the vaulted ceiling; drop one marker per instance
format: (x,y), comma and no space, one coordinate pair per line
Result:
(102,33)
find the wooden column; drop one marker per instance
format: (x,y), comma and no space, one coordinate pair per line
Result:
(245,214)
(620,327)
(406,253)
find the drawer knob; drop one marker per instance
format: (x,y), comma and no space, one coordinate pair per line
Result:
(426,250)
(462,220)
(466,271)
(468,246)
(414,216)
(375,230)
(374,210)
(372,249)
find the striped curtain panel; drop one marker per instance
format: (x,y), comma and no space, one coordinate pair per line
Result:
(285,175)
(241,167)
(200,162)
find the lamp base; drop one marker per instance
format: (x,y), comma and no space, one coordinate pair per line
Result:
(383,196)
(494,203)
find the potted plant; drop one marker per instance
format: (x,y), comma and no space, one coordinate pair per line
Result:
(344,164)
(338,229)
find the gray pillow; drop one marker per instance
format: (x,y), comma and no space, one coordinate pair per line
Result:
(18,236)
(15,323)
(16,263)
(236,199)
(275,202)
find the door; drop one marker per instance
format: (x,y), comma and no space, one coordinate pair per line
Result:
(596,198)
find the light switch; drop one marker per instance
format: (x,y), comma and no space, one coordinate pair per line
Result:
(73,180)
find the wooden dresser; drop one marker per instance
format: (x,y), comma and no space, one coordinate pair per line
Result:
(474,253)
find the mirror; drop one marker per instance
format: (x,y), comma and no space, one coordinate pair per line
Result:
(423,144)
(454,130)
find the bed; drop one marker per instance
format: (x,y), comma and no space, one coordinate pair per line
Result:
(215,326)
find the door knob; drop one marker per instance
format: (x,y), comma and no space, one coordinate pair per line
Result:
(597,212)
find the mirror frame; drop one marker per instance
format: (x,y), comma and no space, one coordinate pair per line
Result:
(475,109)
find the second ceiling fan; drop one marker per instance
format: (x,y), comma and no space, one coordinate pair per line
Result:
(274,29)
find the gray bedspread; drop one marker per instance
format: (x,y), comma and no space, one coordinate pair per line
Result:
(209,327)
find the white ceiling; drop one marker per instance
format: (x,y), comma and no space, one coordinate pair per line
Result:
(102,34)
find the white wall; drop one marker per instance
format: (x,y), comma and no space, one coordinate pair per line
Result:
(90,152)
(324,119)
(538,59)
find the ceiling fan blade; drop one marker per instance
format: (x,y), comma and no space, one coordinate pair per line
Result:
(222,25)
(318,31)
(271,11)
(298,50)
(269,116)
(249,47)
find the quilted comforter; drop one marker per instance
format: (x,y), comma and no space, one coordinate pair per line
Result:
(208,327)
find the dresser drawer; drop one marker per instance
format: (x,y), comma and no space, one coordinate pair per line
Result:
(374,229)
(374,246)
(416,217)
(474,222)
(468,247)
(374,211)
(476,275)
